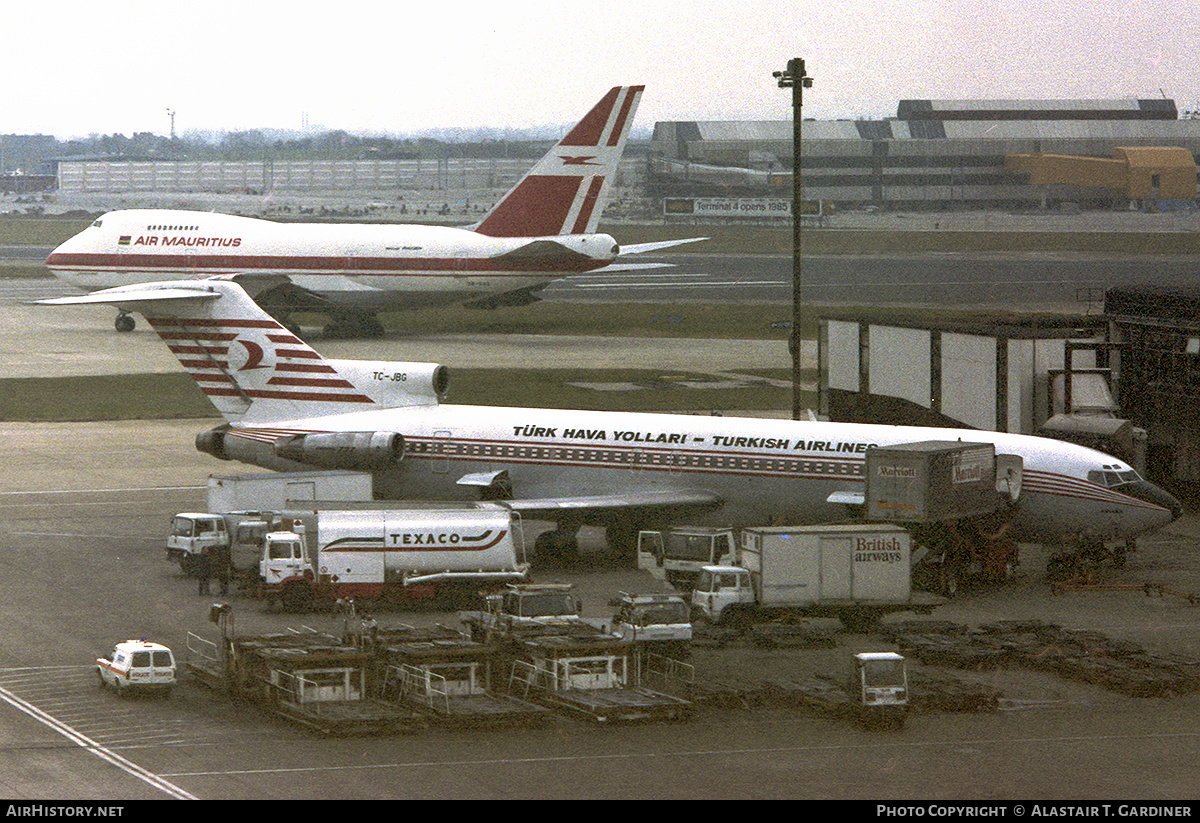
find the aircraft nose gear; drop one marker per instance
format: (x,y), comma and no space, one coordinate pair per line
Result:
(1089,553)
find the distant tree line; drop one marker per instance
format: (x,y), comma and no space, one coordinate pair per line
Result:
(31,153)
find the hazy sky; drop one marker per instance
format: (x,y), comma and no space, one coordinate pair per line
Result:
(73,68)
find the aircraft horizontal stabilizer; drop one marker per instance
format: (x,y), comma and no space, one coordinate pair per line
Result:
(612,267)
(131,296)
(642,248)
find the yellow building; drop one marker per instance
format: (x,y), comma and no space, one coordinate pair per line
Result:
(1139,173)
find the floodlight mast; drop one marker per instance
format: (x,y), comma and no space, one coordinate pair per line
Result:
(795,78)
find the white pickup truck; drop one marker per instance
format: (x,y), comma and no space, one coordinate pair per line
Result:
(137,665)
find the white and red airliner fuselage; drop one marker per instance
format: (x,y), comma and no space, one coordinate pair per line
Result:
(359,266)
(764,471)
(543,228)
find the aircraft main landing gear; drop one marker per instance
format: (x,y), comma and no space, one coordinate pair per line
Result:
(350,326)
(557,545)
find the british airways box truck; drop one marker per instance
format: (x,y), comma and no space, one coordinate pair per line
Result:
(855,572)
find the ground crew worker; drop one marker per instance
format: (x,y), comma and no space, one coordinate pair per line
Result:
(221,566)
(203,570)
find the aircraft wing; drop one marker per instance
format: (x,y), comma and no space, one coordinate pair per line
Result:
(675,505)
(670,503)
(685,501)
(642,248)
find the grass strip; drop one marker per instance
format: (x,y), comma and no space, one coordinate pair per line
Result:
(749,321)
(175,395)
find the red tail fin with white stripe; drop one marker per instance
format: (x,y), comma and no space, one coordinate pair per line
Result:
(251,368)
(567,189)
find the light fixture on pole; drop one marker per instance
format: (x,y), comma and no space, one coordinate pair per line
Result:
(794,78)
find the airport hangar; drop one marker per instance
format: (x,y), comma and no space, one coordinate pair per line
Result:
(945,154)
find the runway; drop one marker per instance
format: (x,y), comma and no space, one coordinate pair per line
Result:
(1026,283)
(1014,282)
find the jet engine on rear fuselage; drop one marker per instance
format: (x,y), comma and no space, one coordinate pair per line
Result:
(352,451)
(365,451)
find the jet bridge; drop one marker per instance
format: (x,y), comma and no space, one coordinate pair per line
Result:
(1009,377)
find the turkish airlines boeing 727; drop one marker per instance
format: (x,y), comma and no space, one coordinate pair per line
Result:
(289,409)
(541,230)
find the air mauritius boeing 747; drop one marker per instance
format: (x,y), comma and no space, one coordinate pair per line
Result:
(289,409)
(541,230)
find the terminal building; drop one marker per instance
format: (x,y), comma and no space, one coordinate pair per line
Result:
(933,155)
(945,154)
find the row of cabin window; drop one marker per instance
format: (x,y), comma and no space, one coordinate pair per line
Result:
(595,455)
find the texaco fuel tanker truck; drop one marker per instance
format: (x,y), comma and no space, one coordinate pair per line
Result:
(396,554)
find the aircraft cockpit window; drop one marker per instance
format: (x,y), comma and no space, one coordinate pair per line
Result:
(1110,478)
(97,224)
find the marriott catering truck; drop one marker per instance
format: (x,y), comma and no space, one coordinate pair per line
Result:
(856,572)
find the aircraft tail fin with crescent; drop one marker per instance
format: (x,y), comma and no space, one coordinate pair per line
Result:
(252,368)
(565,192)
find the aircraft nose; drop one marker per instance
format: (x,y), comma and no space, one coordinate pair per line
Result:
(62,249)
(1144,490)
(64,261)
(56,252)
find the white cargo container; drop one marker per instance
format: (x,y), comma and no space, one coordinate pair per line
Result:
(854,572)
(279,491)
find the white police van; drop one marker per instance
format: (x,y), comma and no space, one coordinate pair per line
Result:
(137,665)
